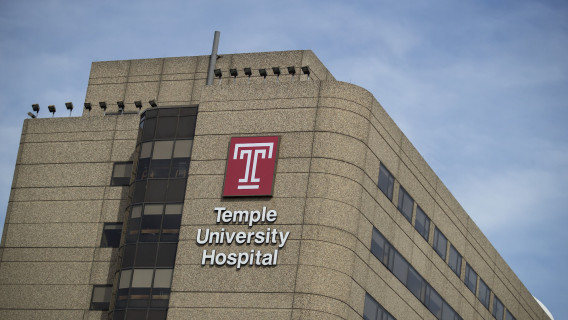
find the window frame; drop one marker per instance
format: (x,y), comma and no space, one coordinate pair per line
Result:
(435,244)
(388,175)
(457,269)
(101,305)
(120,180)
(402,194)
(427,222)
(104,239)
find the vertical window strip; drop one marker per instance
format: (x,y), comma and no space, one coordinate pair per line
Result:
(414,282)
(405,204)
(440,243)
(386,181)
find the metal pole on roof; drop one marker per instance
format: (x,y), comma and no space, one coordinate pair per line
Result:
(213,58)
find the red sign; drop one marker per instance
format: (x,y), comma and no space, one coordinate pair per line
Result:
(251,163)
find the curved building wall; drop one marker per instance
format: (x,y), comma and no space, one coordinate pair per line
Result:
(348,245)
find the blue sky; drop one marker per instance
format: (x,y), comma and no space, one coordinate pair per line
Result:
(479,87)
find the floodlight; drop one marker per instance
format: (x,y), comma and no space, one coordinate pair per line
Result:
(306,71)
(103,105)
(262,72)
(69,106)
(31,115)
(248,72)
(51,109)
(276,70)
(218,73)
(138,104)
(35,108)
(292,70)
(88,106)
(233,72)
(120,106)
(153,103)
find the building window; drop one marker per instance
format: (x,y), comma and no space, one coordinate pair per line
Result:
(498,308)
(374,311)
(413,281)
(111,235)
(405,204)
(121,174)
(455,261)
(470,278)
(100,298)
(386,181)
(509,316)
(483,293)
(440,243)
(422,223)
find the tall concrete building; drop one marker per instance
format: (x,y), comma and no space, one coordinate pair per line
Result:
(277,192)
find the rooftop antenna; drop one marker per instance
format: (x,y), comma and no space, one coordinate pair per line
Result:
(213,58)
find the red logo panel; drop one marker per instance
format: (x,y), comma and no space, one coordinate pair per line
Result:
(250,166)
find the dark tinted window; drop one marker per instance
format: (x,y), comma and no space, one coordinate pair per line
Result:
(405,204)
(149,128)
(386,181)
(156,190)
(166,255)
(509,316)
(121,174)
(440,243)
(186,127)
(422,223)
(146,255)
(470,278)
(455,261)
(166,128)
(111,235)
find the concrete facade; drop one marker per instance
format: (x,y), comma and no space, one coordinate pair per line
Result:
(333,138)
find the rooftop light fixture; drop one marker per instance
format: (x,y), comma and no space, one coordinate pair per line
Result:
(276,71)
(218,74)
(69,106)
(292,71)
(306,71)
(51,109)
(153,103)
(88,106)
(138,105)
(103,106)
(248,73)
(262,73)
(35,108)
(120,106)
(31,115)
(234,73)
